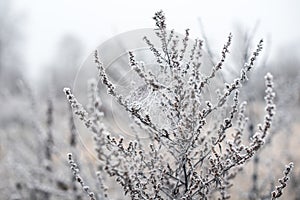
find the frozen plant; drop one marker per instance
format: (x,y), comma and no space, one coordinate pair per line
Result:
(195,146)
(283,182)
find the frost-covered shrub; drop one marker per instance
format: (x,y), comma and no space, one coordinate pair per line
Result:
(195,145)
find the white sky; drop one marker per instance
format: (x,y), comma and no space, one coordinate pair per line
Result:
(94,21)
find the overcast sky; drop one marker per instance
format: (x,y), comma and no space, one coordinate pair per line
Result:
(94,21)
